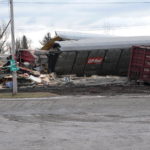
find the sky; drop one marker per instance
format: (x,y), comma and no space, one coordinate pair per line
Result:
(35,18)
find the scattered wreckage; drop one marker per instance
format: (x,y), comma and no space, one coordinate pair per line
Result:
(85,57)
(27,68)
(96,56)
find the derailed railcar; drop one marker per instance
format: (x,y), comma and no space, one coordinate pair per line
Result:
(103,56)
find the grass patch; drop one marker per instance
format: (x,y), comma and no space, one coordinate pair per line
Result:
(27,95)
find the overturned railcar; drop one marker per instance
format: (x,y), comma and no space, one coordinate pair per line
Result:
(103,56)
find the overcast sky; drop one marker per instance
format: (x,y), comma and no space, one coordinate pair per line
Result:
(116,17)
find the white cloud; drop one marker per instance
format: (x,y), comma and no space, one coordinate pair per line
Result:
(37,20)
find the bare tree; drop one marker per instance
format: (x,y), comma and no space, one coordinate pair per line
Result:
(18,43)
(4,35)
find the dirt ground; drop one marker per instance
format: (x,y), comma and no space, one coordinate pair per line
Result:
(111,114)
(94,90)
(76,123)
(85,86)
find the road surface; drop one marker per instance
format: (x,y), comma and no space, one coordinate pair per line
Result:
(76,123)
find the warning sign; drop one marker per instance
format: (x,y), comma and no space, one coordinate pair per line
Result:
(95,60)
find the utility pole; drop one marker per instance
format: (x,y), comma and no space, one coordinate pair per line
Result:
(13,48)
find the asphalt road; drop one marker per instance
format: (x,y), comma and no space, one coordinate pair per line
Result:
(76,123)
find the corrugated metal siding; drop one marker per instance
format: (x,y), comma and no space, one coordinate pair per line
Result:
(115,62)
(65,62)
(80,63)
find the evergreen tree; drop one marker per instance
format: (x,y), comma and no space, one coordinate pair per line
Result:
(46,39)
(24,42)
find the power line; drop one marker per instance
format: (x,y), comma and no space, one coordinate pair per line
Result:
(75,3)
(21,28)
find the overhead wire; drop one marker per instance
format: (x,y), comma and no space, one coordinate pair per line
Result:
(75,3)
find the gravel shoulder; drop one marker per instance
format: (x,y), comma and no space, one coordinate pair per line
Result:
(76,122)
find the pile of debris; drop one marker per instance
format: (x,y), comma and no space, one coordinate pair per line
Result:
(33,78)
(29,69)
(32,70)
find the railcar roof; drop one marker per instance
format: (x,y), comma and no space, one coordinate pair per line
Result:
(103,43)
